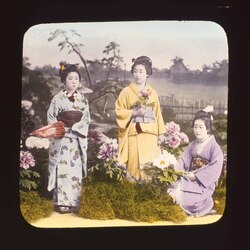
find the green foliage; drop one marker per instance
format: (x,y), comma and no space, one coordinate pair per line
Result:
(41,156)
(107,170)
(162,177)
(34,207)
(169,176)
(38,92)
(220,129)
(128,200)
(219,195)
(26,180)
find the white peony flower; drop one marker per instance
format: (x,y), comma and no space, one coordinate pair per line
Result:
(164,160)
(37,142)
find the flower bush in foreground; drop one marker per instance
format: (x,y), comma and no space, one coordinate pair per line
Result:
(27,179)
(106,166)
(161,170)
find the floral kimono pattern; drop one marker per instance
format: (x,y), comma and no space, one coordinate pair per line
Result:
(195,197)
(68,155)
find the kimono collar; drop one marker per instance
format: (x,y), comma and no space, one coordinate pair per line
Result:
(72,96)
(135,89)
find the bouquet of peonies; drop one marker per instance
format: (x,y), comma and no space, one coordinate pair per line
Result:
(174,140)
(144,102)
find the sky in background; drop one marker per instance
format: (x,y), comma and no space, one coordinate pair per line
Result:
(197,42)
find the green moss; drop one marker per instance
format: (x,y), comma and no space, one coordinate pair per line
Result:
(158,210)
(130,201)
(34,207)
(95,202)
(122,198)
(220,200)
(219,196)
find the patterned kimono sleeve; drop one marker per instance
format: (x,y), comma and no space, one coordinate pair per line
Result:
(81,127)
(52,111)
(210,173)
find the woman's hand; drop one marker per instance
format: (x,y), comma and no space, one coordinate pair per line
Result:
(191,176)
(140,112)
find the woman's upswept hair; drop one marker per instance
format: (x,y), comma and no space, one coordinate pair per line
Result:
(143,60)
(66,68)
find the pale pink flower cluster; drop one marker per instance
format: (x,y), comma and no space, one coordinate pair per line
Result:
(26,160)
(164,160)
(144,93)
(108,150)
(173,137)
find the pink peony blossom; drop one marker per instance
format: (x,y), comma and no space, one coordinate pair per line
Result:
(172,128)
(173,141)
(26,160)
(144,93)
(108,150)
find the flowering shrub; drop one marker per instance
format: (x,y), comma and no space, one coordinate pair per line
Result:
(28,166)
(106,165)
(27,176)
(27,118)
(161,170)
(174,140)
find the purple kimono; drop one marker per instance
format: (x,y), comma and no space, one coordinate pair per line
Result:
(195,197)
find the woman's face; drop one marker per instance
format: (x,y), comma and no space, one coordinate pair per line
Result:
(72,81)
(140,74)
(200,130)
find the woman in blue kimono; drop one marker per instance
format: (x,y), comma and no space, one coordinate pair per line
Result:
(67,155)
(202,162)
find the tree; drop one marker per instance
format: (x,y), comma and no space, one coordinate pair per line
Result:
(72,47)
(35,88)
(112,48)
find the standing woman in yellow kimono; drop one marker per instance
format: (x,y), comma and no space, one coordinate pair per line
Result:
(139,118)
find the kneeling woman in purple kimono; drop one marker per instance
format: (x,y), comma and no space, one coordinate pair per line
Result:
(202,162)
(67,155)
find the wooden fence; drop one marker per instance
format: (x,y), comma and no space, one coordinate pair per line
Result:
(185,109)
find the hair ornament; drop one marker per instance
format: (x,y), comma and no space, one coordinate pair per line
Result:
(62,67)
(209,109)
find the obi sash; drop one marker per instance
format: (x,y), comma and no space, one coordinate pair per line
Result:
(197,163)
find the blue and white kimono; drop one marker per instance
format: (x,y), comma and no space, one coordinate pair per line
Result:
(68,155)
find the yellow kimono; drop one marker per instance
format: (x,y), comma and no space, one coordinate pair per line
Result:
(137,148)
